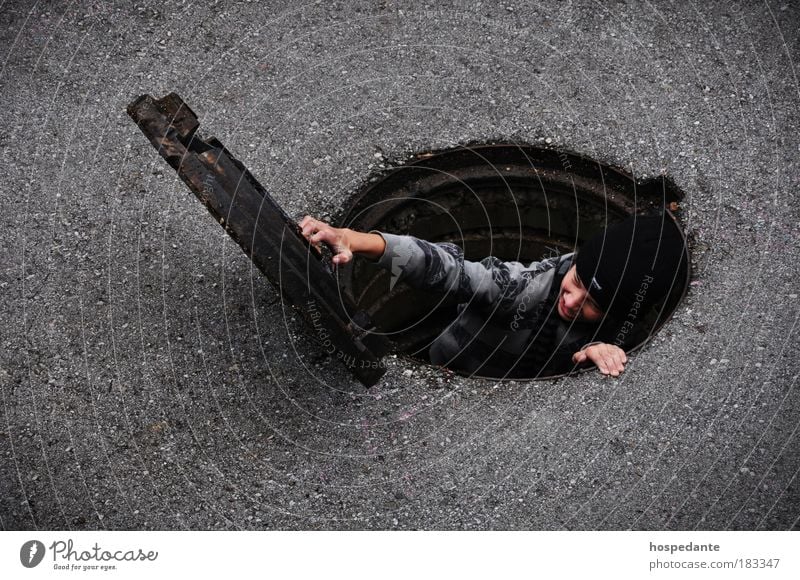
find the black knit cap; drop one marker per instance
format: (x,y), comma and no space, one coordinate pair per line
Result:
(631,265)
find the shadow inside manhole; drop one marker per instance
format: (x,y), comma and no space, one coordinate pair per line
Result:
(515,202)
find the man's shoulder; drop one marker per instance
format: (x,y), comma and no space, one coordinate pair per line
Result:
(564,262)
(560,263)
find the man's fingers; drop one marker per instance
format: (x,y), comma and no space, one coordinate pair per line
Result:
(613,368)
(307,227)
(314,231)
(610,365)
(619,365)
(306,224)
(318,232)
(599,358)
(621,359)
(343,257)
(325,235)
(609,359)
(613,359)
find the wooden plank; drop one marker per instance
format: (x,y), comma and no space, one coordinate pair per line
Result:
(269,237)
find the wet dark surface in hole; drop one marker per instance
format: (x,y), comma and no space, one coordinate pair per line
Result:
(515,202)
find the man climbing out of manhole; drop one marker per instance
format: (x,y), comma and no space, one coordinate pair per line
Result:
(541,319)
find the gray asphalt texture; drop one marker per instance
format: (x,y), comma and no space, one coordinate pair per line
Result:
(152,379)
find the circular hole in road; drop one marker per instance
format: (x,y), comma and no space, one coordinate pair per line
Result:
(516,202)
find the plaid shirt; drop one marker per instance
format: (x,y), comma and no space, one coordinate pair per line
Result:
(497,318)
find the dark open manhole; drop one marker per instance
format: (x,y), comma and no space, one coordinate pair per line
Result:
(515,202)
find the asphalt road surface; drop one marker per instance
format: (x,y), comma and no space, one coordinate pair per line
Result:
(150,378)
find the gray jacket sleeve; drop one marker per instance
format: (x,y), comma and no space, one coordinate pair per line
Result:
(441,267)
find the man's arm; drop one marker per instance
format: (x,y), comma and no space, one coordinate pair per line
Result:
(439,267)
(344,241)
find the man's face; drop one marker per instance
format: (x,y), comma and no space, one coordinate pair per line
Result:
(574,302)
